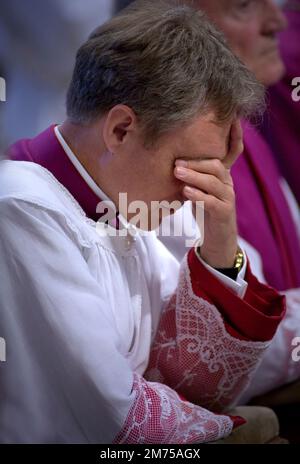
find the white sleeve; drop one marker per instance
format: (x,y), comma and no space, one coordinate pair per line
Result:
(278,366)
(292,202)
(61,345)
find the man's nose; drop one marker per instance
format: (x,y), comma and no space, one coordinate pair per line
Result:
(276,20)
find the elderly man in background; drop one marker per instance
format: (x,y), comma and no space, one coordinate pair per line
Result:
(107,339)
(282,122)
(267,213)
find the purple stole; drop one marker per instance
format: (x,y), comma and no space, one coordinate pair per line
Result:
(264,217)
(46,150)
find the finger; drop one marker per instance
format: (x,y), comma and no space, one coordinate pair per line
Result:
(213,167)
(210,203)
(236,144)
(205,182)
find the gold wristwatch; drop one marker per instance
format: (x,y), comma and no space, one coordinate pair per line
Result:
(234,271)
(239,260)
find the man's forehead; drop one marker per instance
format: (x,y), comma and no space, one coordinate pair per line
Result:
(212,125)
(213,139)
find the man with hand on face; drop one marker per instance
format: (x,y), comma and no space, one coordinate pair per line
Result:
(267,214)
(107,339)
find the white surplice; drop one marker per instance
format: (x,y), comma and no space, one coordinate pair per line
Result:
(80,312)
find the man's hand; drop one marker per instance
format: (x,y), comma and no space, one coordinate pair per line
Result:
(209,181)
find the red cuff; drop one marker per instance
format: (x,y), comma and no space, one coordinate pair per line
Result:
(237,421)
(256,317)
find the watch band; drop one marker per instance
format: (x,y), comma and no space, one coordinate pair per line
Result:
(234,271)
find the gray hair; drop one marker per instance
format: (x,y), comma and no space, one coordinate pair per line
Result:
(168,63)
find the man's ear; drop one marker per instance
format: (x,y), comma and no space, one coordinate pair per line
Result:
(119,125)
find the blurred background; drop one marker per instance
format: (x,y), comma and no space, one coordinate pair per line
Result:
(38,42)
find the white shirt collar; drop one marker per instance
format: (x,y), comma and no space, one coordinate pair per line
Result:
(79,167)
(133,230)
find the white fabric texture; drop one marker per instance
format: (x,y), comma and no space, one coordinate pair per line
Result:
(278,367)
(79,311)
